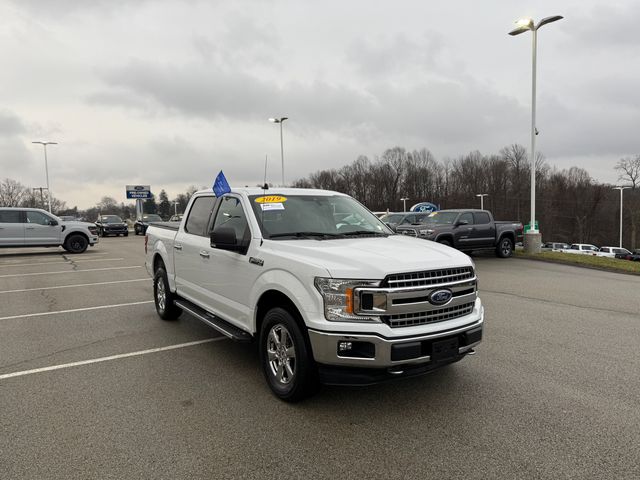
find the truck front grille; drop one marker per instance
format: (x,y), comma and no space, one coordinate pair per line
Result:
(428,278)
(430,316)
(409,233)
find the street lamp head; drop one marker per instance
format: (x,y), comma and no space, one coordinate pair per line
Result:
(546,20)
(46,143)
(525,22)
(274,120)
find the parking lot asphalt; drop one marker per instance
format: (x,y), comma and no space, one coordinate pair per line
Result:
(94,385)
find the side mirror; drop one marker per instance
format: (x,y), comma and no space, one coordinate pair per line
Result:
(53,223)
(461,222)
(225,239)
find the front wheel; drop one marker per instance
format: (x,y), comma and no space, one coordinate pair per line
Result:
(445,242)
(286,360)
(505,248)
(76,243)
(163,298)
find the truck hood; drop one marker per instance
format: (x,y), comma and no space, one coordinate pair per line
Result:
(371,258)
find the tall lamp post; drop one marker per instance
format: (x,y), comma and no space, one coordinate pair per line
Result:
(482,195)
(46,168)
(621,190)
(280,121)
(404,202)
(532,239)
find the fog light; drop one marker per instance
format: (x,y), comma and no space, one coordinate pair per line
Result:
(344,346)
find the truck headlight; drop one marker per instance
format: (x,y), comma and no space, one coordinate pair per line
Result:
(426,232)
(337,295)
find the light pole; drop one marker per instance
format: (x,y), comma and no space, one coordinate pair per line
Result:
(46,168)
(404,200)
(280,121)
(621,190)
(482,195)
(532,239)
(175,208)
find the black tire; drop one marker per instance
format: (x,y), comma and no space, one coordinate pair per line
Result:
(286,357)
(445,242)
(126,234)
(504,248)
(100,232)
(135,230)
(162,296)
(76,243)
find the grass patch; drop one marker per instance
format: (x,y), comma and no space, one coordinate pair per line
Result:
(588,261)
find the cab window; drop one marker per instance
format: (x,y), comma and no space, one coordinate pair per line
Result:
(481,218)
(468,217)
(38,218)
(10,216)
(199,216)
(231,215)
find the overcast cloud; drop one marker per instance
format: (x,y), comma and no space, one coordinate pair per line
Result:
(169,92)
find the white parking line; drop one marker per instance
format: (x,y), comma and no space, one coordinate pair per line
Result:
(67,271)
(77,285)
(85,309)
(106,359)
(17,257)
(61,263)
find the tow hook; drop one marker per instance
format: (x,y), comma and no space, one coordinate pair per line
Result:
(471,352)
(395,371)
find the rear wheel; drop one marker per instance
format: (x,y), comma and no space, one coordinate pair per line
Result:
(162,296)
(76,243)
(504,248)
(286,360)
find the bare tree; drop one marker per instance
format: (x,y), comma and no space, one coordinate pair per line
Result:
(11,193)
(629,170)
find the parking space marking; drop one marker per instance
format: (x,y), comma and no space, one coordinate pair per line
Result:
(67,271)
(77,285)
(60,263)
(109,358)
(85,309)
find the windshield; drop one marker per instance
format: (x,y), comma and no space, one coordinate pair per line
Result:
(392,217)
(111,219)
(152,218)
(311,216)
(441,217)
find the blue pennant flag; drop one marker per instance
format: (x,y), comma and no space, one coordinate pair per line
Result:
(220,185)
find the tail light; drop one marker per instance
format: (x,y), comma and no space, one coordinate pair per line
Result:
(146,241)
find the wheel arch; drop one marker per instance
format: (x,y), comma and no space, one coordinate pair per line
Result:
(275,298)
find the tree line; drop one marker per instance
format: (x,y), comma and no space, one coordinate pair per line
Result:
(570,205)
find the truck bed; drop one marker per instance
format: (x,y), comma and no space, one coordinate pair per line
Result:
(167,225)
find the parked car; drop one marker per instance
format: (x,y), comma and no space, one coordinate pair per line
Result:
(33,227)
(468,230)
(555,246)
(634,256)
(612,252)
(111,225)
(393,220)
(581,248)
(325,299)
(68,218)
(176,218)
(141,225)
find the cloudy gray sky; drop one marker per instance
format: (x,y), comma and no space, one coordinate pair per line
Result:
(169,92)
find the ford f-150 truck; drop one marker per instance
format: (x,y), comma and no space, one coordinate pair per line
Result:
(33,227)
(328,291)
(468,230)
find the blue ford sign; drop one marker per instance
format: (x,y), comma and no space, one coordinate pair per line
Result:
(424,207)
(440,297)
(138,191)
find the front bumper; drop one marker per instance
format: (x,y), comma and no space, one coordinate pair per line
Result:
(371,351)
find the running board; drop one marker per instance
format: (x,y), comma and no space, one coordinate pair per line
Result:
(224,327)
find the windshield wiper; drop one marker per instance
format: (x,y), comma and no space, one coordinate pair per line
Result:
(365,232)
(321,235)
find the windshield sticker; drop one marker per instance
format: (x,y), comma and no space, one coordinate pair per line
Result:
(272,206)
(271,199)
(433,214)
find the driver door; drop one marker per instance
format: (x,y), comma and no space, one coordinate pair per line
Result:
(39,231)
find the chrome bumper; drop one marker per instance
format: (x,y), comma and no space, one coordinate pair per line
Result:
(379,352)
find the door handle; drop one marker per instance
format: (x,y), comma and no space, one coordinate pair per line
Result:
(204,254)
(178,247)
(30,228)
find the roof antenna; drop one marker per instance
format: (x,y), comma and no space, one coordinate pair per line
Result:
(265,187)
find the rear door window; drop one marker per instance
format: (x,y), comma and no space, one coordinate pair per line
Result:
(199,216)
(481,218)
(10,216)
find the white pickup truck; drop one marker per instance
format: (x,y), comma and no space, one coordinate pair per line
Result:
(330,293)
(33,227)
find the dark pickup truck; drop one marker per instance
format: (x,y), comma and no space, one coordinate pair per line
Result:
(468,230)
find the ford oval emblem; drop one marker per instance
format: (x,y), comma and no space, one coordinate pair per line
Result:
(440,297)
